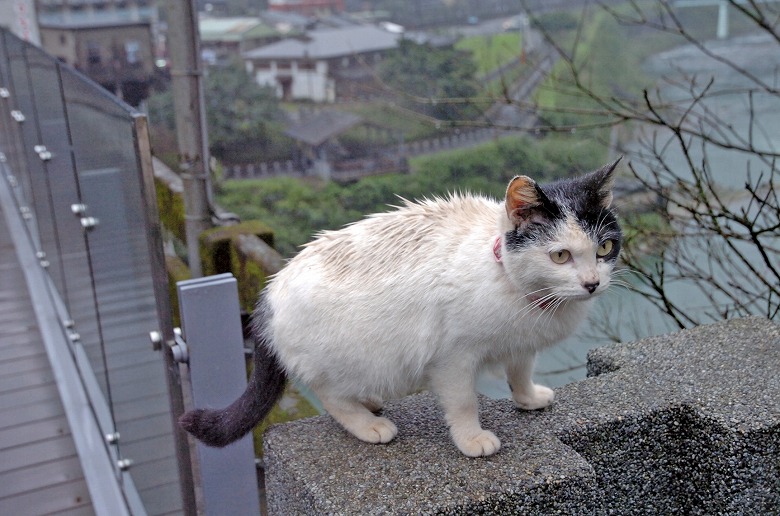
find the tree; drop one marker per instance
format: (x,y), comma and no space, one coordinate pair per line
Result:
(241,114)
(429,78)
(243,118)
(721,243)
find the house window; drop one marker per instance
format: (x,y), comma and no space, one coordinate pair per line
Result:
(132,49)
(93,53)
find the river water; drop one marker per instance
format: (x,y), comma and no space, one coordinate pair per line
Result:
(621,313)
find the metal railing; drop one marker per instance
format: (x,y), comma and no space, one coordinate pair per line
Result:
(78,163)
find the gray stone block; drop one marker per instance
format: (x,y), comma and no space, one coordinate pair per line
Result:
(684,423)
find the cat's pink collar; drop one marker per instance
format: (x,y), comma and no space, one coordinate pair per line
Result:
(497,249)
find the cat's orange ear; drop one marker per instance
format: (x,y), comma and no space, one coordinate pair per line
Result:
(521,196)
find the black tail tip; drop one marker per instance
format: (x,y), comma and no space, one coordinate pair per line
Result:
(204,425)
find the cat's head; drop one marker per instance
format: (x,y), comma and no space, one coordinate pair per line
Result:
(561,240)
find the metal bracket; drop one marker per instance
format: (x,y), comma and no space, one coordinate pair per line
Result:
(80,209)
(156,338)
(42,152)
(89,222)
(179,349)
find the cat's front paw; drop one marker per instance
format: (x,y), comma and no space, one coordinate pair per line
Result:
(538,398)
(379,430)
(482,444)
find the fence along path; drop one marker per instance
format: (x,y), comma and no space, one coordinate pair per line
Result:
(40,472)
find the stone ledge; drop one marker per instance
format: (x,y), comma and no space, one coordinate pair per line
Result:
(687,422)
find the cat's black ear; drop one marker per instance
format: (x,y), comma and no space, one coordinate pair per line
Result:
(603,180)
(523,197)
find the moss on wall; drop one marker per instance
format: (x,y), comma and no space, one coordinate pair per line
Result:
(219,254)
(171,207)
(177,271)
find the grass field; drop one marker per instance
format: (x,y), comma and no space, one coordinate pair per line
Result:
(492,52)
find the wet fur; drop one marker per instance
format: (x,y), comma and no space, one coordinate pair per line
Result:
(414,299)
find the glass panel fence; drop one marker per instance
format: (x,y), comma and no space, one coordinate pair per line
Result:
(81,174)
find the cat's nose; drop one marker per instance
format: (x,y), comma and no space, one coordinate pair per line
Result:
(591,287)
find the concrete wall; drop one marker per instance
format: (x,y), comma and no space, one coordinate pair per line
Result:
(685,423)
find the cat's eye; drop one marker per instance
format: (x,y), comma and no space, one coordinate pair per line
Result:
(605,248)
(560,257)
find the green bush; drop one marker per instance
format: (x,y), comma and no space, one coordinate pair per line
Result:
(297,209)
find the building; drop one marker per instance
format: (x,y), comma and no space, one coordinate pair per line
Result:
(224,38)
(111,41)
(19,17)
(324,65)
(307,7)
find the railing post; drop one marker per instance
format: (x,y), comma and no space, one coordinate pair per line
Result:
(211,323)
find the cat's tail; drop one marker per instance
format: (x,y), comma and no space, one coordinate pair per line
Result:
(266,384)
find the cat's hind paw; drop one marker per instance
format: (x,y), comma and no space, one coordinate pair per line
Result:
(539,397)
(483,444)
(379,430)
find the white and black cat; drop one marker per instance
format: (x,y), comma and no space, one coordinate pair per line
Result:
(423,297)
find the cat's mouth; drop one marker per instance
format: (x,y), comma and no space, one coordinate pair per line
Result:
(552,302)
(545,302)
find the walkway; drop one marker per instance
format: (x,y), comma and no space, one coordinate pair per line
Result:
(40,471)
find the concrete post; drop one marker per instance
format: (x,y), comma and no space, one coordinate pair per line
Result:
(186,73)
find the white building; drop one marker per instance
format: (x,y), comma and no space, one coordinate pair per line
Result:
(19,16)
(322,65)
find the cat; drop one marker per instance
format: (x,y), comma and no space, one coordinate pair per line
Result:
(423,297)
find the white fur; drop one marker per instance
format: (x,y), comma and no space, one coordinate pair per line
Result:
(414,299)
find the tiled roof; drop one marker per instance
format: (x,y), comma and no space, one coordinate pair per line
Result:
(329,43)
(233,29)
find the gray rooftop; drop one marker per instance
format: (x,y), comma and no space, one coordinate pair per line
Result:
(687,422)
(329,43)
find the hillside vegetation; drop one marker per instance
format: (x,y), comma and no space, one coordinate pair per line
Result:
(297,209)
(613,54)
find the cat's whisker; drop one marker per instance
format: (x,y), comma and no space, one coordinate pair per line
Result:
(536,303)
(627,271)
(625,286)
(547,305)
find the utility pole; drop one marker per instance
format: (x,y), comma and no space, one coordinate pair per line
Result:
(189,110)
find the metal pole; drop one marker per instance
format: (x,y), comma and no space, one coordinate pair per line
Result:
(723,20)
(188,104)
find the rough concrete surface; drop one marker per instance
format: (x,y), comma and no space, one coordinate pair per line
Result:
(686,423)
